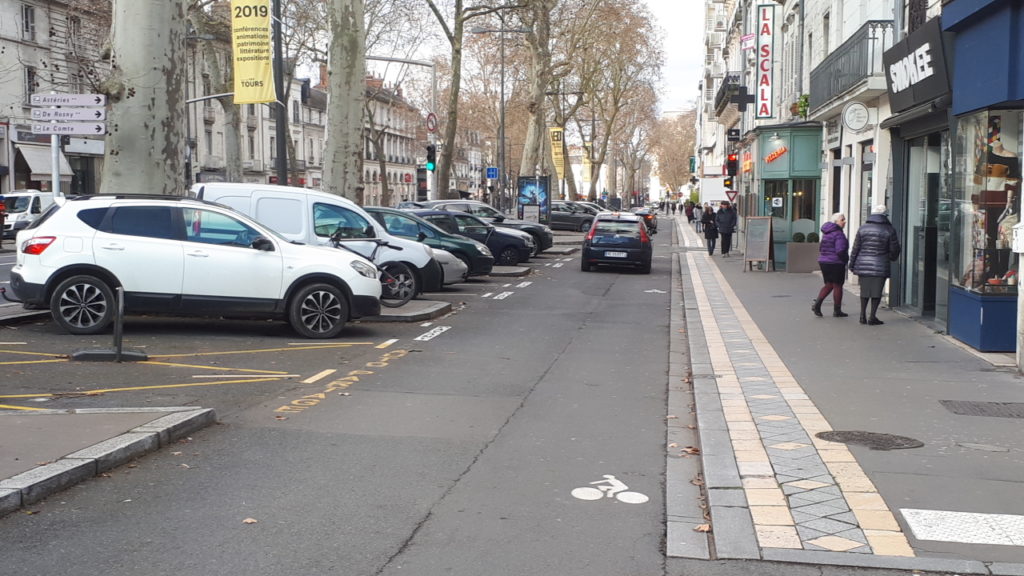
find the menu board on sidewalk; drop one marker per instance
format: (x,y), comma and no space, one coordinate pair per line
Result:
(760,245)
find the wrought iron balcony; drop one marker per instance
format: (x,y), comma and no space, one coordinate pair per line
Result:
(852,63)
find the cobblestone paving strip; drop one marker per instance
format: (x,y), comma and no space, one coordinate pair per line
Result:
(802,492)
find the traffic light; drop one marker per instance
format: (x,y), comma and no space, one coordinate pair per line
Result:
(731,165)
(727,182)
(431,157)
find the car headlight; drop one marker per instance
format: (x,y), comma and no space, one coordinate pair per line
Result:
(482,249)
(546,229)
(364,269)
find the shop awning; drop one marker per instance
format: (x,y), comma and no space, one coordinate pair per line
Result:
(939,104)
(39,162)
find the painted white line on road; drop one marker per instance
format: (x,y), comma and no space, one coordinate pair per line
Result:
(965,527)
(432,334)
(425,324)
(566,259)
(559,265)
(13,343)
(505,285)
(318,377)
(523,284)
(387,343)
(503,295)
(486,295)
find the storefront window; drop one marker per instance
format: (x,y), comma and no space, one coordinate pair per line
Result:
(988,151)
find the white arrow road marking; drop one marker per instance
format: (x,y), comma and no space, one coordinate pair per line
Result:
(523,284)
(430,335)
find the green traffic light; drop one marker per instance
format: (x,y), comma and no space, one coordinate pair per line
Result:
(430,166)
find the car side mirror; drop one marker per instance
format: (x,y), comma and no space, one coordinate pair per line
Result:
(370,233)
(421,236)
(499,218)
(263,243)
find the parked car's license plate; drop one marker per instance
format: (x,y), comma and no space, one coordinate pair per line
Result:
(614,254)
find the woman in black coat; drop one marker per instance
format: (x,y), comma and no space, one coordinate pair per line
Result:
(874,249)
(707,221)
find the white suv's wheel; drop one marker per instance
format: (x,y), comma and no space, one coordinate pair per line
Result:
(318,311)
(83,305)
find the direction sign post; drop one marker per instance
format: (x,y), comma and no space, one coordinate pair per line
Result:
(82,107)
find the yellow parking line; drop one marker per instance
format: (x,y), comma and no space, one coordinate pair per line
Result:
(9,407)
(387,343)
(137,388)
(222,368)
(227,352)
(17,362)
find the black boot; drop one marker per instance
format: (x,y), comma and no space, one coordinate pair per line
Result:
(838,312)
(874,321)
(816,307)
(863,310)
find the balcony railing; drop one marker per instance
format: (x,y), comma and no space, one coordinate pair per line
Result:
(853,62)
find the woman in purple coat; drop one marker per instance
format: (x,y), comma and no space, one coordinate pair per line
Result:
(833,254)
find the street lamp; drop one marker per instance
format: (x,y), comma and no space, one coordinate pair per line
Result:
(502,177)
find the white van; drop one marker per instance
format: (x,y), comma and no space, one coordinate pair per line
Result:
(24,207)
(311,217)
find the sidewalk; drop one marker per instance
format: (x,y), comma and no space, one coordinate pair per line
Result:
(926,473)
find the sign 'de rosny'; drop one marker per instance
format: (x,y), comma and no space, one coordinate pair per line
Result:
(765,54)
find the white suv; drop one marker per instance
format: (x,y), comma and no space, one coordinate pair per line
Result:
(182,256)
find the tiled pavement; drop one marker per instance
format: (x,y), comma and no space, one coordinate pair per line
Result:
(775,491)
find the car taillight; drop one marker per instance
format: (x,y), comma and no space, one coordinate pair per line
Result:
(644,238)
(590,235)
(37,245)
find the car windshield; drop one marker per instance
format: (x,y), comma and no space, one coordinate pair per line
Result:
(17,204)
(483,210)
(616,229)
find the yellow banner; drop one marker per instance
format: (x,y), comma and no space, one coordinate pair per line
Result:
(252,51)
(557,151)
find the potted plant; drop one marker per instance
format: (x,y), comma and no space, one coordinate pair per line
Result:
(802,253)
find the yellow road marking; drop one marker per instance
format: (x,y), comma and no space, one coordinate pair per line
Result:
(387,343)
(222,368)
(9,407)
(17,362)
(228,352)
(320,376)
(136,388)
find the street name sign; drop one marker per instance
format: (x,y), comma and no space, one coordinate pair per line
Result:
(68,100)
(97,128)
(69,114)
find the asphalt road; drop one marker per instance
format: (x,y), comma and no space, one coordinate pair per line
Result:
(448,448)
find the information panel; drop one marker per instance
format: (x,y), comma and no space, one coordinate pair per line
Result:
(760,243)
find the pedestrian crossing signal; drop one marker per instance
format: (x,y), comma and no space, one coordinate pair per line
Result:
(728,183)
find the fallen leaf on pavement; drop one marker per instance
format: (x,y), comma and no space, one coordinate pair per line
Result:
(702,528)
(184,465)
(175,453)
(250,521)
(673,445)
(671,417)
(691,450)
(280,417)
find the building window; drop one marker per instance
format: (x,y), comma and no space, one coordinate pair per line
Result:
(74,33)
(296,112)
(31,82)
(208,141)
(252,109)
(252,147)
(826,22)
(28,22)
(273,147)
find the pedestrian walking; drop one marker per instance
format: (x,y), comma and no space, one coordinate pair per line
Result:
(726,220)
(688,210)
(833,254)
(672,205)
(707,222)
(875,247)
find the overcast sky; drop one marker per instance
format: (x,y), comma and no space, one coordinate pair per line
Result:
(683,25)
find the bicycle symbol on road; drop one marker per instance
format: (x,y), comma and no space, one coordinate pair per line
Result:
(610,487)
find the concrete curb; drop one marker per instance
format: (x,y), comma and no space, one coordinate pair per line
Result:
(509,271)
(34,485)
(412,311)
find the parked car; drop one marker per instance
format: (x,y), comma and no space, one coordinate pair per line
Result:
(455,270)
(588,207)
(474,254)
(543,239)
(650,218)
(567,216)
(619,239)
(509,246)
(311,217)
(22,208)
(181,256)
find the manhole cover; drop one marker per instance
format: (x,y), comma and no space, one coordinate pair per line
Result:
(873,440)
(995,409)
